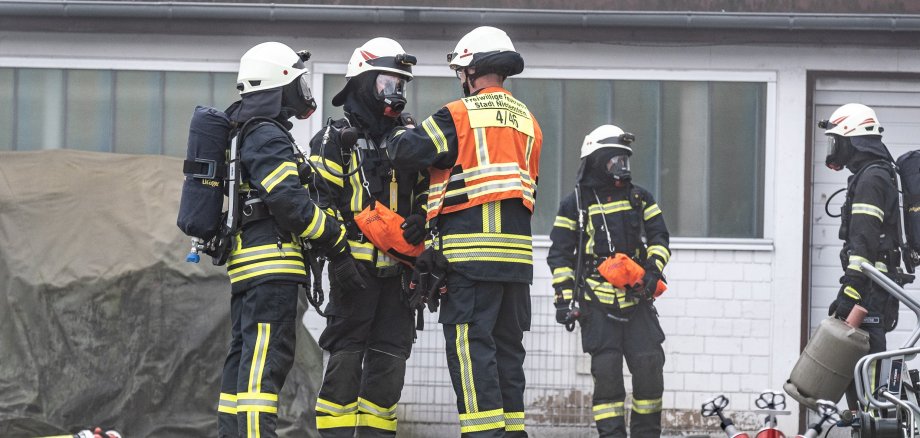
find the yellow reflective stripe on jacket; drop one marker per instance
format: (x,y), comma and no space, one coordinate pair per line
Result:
(855,262)
(514,421)
(361,251)
(489,255)
(869,209)
(564,222)
(324,167)
(851,292)
(561,274)
(283,170)
(437,136)
(646,406)
(317,225)
(608,410)
(257,402)
(356,203)
(477,240)
(607,294)
(467,382)
(881,267)
(660,251)
(368,420)
(651,211)
(332,408)
(293,266)
(567,294)
(264,252)
(227,404)
(365,405)
(610,207)
(480,421)
(473,191)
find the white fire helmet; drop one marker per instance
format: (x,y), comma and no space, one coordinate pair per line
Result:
(270,65)
(852,120)
(607,136)
(478,43)
(380,54)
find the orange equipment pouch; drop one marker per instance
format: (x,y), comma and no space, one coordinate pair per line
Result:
(621,271)
(381,226)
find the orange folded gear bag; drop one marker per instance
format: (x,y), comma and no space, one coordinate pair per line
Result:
(622,271)
(381,226)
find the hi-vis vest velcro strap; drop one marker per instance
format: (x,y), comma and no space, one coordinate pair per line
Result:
(498,110)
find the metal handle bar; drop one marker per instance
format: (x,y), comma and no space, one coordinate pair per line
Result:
(889,285)
(911,408)
(863,390)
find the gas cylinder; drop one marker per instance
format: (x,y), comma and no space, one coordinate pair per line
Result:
(825,368)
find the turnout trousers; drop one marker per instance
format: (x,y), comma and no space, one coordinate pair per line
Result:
(369,337)
(484,324)
(638,340)
(261,354)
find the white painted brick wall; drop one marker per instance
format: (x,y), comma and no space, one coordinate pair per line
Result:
(716,316)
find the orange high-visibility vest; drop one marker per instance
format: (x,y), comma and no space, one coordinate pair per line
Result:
(497,158)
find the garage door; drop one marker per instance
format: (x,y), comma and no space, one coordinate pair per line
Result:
(897,105)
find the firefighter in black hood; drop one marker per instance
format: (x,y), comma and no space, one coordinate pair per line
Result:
(370,330)
(266,265)
(608,214)
(869,224)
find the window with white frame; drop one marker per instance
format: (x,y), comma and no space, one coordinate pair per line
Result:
(125,111)
(700,145)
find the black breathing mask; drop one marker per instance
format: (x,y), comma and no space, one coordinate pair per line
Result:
(618,168)
(391,91)
(839,152)
(297,98)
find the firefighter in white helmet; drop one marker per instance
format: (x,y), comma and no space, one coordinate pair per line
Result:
(266,265)
(370,330)
(483,154)
(869,224)
(604,216)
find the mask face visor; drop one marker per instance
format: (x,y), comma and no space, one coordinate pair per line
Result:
(388,85)
(618,167)
(834,151)
(303,89)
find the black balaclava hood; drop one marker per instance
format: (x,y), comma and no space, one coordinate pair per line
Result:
(265,103)
(363,107)
(594,173)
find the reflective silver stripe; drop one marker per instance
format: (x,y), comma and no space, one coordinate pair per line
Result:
(466,368)
(659,251)
(435,134)
(610,207)
(562,274)
(488,170)
(564,222)
(482,146)
(475,254)
(608,410)
(330,407)
(286,251)
(647,406)
(869,209)
(489,420)
(255,402)
(479,239)
(371,408)
(651,212)
(295,267)
(283,170)
(317,225)
(492,186)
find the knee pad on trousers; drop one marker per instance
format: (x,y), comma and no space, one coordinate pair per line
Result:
(648,376)
(607,370)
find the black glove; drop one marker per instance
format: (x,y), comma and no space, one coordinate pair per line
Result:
(406,119)
(649,283)
(348,273)
(429,278)
(414,229)
(562,312)
(847,297)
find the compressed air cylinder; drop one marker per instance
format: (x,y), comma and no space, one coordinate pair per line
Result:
(825,368)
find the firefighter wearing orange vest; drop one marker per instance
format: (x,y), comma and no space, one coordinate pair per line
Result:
(483,154)
(607,214)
